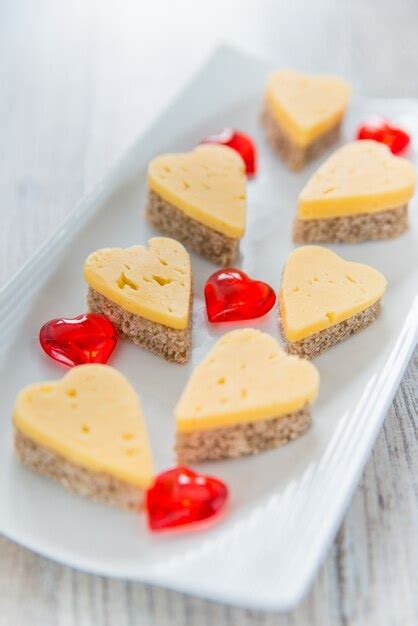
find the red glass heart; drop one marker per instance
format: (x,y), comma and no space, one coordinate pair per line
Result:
(181,497)
(240,142)
(379,129)
(233,296)
(88,338)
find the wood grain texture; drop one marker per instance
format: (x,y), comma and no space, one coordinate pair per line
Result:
(78,82)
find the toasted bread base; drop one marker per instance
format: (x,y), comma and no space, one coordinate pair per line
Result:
(353,228)
(292,154)
(173,344)
(96,486)
(169,220)
(315,344)
(230,442)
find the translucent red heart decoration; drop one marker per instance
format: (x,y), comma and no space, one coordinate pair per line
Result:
(240,142)
(88,338)
(379,129)
(182,497)
(233,296)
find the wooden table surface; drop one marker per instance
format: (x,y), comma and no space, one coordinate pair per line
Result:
(79,81)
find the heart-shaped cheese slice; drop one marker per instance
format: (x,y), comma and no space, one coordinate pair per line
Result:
(153,282)
(245,377)
(207,184)
(306,106)
(93,418)
(320,289)
(361,177)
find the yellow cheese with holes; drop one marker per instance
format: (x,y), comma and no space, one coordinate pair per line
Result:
(320,289)
(361,177)
(245,377)
(154,282)
(208,184)
(306,106)
(91,417)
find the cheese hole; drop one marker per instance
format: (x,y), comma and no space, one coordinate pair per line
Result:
(243,366)
(244,393)
(167,169)
(351,279)
(127,436)
(296,289)
(71,393)
(46,389)
(330,316)
(127,266)
(180,271)
(131,451)
(163,261)
(223,400)
(161,280)
(329,189)
(186,184)
(221,381)
(123,281)
(85,429)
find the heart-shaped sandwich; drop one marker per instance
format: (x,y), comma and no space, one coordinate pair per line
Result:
(246,396)
(86,431)
(361,192)
(146,293)
(302,114)
(231,296)
(199,198)
(325,299)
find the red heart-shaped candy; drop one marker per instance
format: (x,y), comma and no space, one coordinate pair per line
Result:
(181,497)
(233,296)
(88,338)
(240,142)
(379,129)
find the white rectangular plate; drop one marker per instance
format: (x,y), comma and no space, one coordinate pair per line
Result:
(286,504)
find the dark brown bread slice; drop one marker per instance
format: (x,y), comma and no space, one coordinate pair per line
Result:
(172,344)
(292,154)
(353,228)
(241,439)
(97,486)
(209,243)
(315,344)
